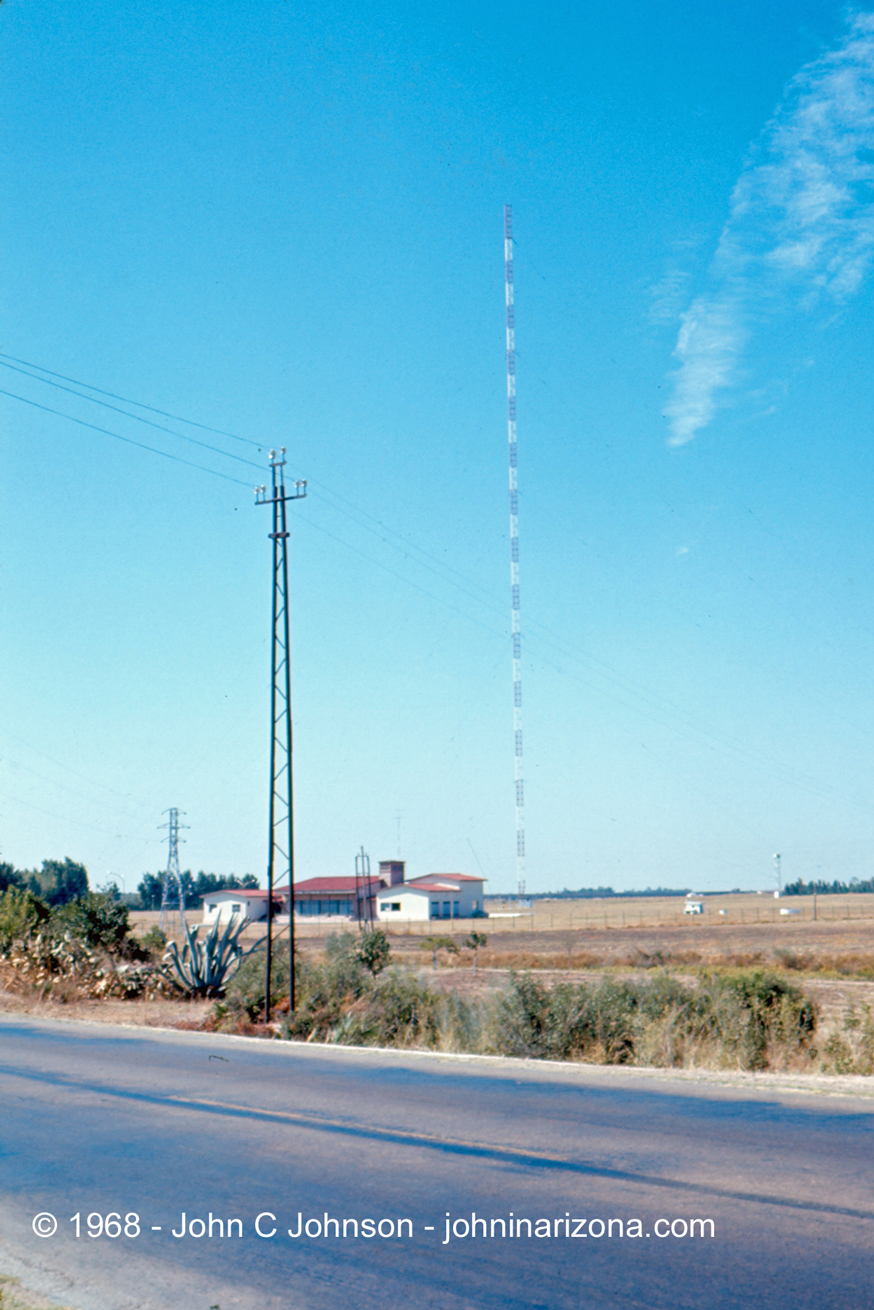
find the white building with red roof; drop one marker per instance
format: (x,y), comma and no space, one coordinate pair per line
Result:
(251,906)
(391,898)
(331,898)
(434,896)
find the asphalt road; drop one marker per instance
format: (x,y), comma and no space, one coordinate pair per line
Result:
(99,1120)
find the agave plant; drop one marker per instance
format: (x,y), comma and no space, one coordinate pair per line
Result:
(203,967)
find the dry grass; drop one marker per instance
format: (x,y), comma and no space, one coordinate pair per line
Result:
(723,910)
(828,945)
(69,1003)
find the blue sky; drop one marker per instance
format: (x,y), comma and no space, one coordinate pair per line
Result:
(284,222)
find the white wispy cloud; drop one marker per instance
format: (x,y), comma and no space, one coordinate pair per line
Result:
(801,223)
(668,295)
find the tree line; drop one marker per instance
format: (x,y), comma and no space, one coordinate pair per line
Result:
(822,888)
(56,883)
(60,881)
(602,893)
(151,888)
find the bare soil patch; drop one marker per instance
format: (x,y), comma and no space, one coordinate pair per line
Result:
(141,1014)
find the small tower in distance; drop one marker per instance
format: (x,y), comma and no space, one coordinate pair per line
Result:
(173,895)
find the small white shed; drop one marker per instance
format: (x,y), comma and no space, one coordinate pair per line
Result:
(220,907)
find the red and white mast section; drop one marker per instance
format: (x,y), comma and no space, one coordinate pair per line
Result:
(516,630)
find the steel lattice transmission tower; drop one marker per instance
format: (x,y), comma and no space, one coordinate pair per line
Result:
(172,894)
(516,631)
(280,842)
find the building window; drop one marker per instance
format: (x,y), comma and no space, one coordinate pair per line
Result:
(395,905)
(446,910)
(455,908)
(235,909)
(435,909)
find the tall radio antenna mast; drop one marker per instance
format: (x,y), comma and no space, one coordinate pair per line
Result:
(514,549)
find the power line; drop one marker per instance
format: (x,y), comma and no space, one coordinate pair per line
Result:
(139,404)
(137,418)
(587,661)
(328,492)
(317,527)
(16,764)
(377,531)
(28,746)
(79,823)
(437,567)
(118,437)
(660,711)
(439,571)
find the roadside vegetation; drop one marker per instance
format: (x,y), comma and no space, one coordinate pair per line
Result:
(739,1018)
(81,947)
(61,943)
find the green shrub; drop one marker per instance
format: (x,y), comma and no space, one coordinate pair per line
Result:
(243,1001)
(323,990)
(10,877)
(435,944)
(850,1049)
(21,913)
(374,950)
(474,941)
(97,920)
(748,1019)
(63,966)
(395,1010)
(748,1012)
(154,940)
(568,1020)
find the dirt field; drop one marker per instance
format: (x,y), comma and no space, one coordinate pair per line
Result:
(720,911)
(730,908)
(737,928)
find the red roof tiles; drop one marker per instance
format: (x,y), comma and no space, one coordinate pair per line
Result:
(336,886)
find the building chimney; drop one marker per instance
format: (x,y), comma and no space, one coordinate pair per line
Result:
(391,872)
